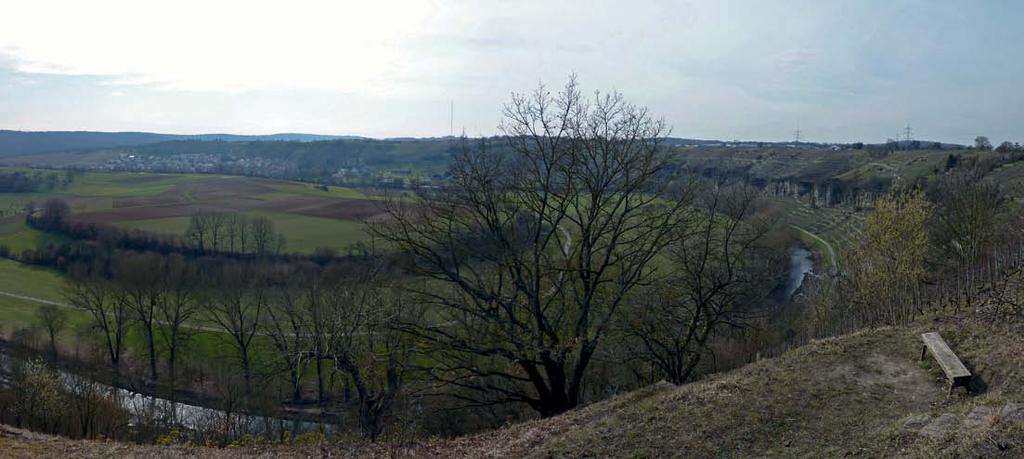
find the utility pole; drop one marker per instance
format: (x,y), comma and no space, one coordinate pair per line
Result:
(796,136)
(451,119)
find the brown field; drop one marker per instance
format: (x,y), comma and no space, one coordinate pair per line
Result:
(231,195)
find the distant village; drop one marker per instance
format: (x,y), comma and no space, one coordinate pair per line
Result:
(208,163)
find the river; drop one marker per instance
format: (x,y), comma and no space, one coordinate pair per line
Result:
(141,407)
(801,263)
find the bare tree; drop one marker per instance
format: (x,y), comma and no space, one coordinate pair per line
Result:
(236,301)
(721,272)
(964,223)
(262,236)
(197,231)
(180,284)
(53,319)
(88,290)
(289,328)
(139,277)
(236,232)
(532,248)
(318,317)
(362,340)
(217,225)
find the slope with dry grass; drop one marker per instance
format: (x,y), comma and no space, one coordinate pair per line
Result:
(851,395)
(866,393)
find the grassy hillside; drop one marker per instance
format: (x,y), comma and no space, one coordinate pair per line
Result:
(851,395)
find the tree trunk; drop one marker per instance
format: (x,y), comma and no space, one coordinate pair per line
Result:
(152,353)
(321,396)
(296,386)
(371,418)
(246,372)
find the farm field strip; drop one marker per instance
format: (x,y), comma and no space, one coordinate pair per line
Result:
(838,228)
(309,217)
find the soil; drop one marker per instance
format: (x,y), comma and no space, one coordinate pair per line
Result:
(229,195)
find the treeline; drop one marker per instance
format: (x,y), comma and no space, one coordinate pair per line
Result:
(935,246)
(217,232)
(208,233)
(30,182)
(284,323)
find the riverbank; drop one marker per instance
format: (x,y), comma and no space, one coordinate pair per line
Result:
(185,409)
(821,247)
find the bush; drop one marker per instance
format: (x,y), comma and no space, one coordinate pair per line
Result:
(41,399)
(36,396)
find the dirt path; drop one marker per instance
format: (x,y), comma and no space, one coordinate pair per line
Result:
(70,306)
(35,300)
(190,327)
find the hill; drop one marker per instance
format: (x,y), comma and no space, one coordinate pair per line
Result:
(864,394)
(15,143)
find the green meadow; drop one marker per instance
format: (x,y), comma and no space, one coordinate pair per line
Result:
(307,216)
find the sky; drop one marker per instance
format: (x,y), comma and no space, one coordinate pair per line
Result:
(839,70)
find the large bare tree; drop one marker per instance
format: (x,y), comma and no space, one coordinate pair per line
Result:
(362,341)
(536,243)
(721,271)
(139,278)
(289,327)
(235,301)
(180,282)
(53,319)
(87,289)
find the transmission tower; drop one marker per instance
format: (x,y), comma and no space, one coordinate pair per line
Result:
(796,136)
(908,133)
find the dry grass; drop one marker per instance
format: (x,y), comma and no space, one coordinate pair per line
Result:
(836,397)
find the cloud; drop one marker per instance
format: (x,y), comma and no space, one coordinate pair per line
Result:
(713,68)
(227,46)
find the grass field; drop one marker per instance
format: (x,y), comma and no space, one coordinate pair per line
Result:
(18,236)
(208,347)
(838,227)
(307,216)
(22,279)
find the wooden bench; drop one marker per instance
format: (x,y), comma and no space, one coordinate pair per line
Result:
(954,369)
